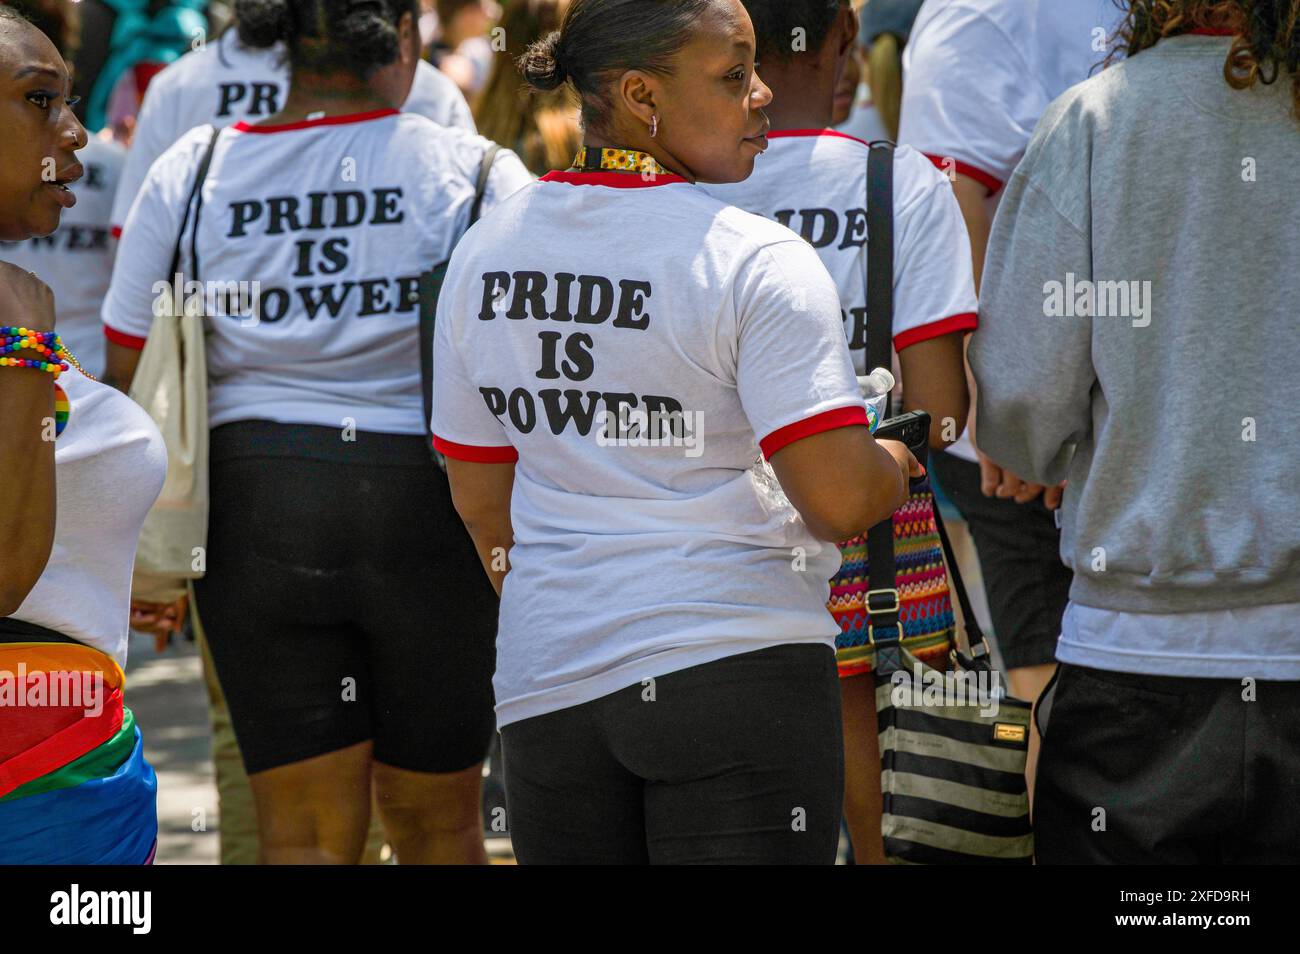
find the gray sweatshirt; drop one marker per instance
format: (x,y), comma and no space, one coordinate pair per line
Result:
(1140,333)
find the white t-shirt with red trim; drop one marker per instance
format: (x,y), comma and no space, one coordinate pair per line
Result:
(978,74)
(815,182)
(311,241)
(575,320)
(225,82)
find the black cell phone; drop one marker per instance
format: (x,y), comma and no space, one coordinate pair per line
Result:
(912,429)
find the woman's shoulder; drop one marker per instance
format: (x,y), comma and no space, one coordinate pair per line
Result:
(187,149)
(746,231)
(450,150)
(172,172)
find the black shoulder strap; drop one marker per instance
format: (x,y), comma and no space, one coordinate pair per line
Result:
(882,599)
(431,287)
(196,193)
(880,257)
(480,187)
(974,634)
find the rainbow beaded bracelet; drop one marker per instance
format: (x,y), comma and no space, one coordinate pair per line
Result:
(45,343)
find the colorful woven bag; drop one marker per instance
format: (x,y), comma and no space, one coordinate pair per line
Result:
(924,601)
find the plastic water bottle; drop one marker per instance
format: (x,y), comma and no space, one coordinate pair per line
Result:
(875,389)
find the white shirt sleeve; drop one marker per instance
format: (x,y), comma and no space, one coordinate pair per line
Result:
(463,427)
(934,284)
(434,96)
(148,240)
(970,100)
(155,131)
(507,176)
(794,375)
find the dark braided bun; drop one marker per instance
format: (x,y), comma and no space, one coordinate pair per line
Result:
(359,36)
(263,23)
(541,65)
(365,32)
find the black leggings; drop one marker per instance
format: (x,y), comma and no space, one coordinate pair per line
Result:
(344,601)
(738,761)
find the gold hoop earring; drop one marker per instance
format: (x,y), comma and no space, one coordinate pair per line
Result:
(654,125)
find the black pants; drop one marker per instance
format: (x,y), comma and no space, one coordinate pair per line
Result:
(344,601)
(736,761)
(1163,770)
(1020,555)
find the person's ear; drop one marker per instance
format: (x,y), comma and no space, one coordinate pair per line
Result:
(637,91)
(848,26)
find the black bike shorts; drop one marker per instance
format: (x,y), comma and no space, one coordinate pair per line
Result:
(344,601)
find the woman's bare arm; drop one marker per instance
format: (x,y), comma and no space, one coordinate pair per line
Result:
(27,450)
(934,380)
(120,363)
(844,481)
(481,494)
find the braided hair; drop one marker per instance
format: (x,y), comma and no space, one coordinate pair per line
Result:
(357,36)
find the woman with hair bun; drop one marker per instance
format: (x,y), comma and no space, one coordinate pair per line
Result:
(348,622)
(654,435)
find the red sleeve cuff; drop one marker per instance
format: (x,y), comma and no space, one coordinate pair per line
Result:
(826,421)
(988,181)
(123,339)
(968,321)
(475,454)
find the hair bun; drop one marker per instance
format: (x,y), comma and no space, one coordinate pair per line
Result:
(362,28)
(541,65)
(263,23)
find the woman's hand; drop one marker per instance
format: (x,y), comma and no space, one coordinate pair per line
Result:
(161,619)
(907,462)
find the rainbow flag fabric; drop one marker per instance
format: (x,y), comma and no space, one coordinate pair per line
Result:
(74,784)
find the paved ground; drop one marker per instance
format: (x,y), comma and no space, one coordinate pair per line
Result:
(166,694)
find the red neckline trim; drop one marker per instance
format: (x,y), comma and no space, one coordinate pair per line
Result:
(788,133)
(615,180)
(1207,31)
(242,126)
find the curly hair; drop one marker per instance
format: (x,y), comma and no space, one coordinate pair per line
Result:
(358,36)
(1266,35)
